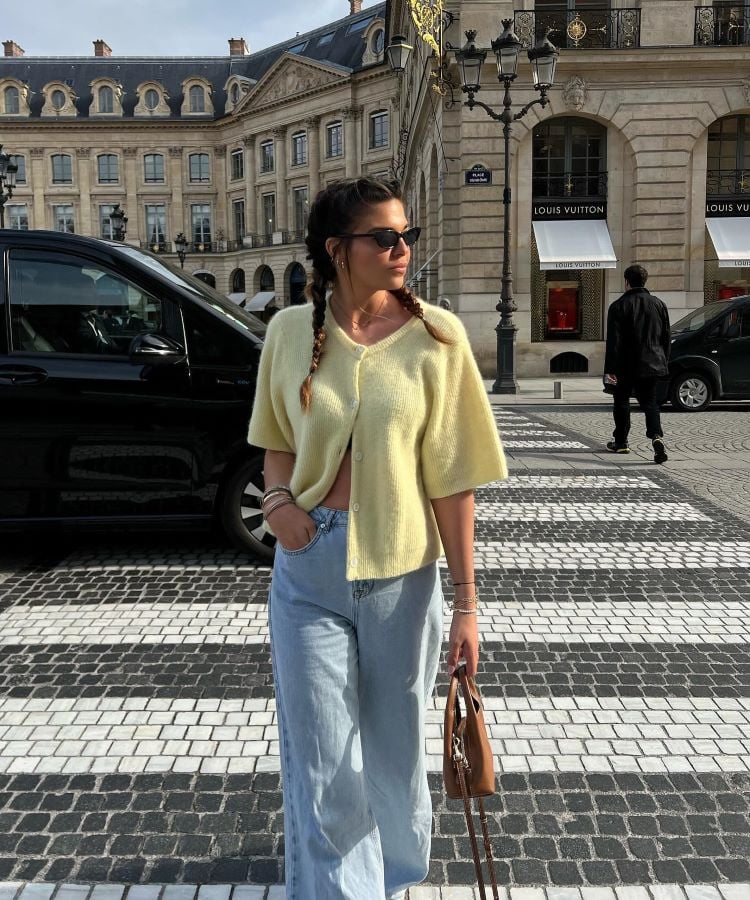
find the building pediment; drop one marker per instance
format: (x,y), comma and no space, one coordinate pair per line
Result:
(291,76)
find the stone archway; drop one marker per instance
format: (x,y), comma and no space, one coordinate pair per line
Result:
(296,281)
(237,282)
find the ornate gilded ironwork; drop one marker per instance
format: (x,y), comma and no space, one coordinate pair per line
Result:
(727,182)
(722,25)
(427,16)
(589,28)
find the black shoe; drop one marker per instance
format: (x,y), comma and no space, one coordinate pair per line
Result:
(617,448)
(660,454)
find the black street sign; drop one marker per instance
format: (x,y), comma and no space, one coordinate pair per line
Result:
(478,174)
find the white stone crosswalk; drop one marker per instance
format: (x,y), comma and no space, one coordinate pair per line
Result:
(247,623)
(112,734)
(577,482)
(511,511)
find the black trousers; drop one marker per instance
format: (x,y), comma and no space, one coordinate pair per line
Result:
(645,392)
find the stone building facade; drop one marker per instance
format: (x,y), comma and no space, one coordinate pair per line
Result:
(642,155)
(228,150)
(643,145)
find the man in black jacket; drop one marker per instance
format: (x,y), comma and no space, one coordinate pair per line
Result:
(636,357)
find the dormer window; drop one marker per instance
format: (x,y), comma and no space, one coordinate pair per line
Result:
(151,99)
(58,99)
(197,99)
(106,99)
(234,94)
(377,42)
(12,105)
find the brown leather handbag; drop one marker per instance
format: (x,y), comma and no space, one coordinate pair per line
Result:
(468,769)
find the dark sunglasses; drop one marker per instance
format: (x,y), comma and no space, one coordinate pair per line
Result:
(387,238)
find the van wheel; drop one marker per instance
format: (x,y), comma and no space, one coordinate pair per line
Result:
(239,509)
(691,392)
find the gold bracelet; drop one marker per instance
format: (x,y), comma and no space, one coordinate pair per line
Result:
(276,506)
(466,612)
(473,599)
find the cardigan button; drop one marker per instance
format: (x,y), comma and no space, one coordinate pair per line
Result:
(355,560)
(358,456)
(355,507)
(353,403)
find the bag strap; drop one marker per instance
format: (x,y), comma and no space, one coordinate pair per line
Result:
(461,765)
(459,761)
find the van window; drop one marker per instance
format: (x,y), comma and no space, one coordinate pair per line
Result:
(63,303)
(213,343)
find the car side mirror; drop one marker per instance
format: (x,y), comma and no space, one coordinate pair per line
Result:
(155,349)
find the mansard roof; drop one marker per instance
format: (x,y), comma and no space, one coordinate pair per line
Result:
(343,50)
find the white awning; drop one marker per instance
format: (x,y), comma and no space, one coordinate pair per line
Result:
(731,240)
(574,244)
(260,300)
(237,297)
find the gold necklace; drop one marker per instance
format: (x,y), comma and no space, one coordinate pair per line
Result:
(357,326)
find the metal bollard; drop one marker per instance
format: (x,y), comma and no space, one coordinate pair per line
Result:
(557,385)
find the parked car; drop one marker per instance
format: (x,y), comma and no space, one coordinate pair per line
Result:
(126,387)
(710,356)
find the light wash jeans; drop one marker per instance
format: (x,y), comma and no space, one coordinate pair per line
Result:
(354,665)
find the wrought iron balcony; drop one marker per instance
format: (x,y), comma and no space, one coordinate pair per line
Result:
(728,183)
(157,246)
(584,29)
(722,26)
(566,185)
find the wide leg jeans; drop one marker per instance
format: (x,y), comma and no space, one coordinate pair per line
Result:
(354,666)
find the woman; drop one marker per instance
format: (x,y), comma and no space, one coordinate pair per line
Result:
(376,427)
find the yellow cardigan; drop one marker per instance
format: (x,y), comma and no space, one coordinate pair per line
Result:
(421,423)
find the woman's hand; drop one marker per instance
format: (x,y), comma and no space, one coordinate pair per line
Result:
(463,641)
(293,527)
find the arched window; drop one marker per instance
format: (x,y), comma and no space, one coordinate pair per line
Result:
(729,157)
(108,168)
(267,281)
(569,159)
(62,168)
(153,168)
(197,99)
(151,98)
(297,282)
(200,169)
(238,281)
(106,99)
(58,99)
(234,94)
(12,101)
(207,277)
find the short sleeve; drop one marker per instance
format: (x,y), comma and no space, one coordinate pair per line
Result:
(269,426)
(461,447)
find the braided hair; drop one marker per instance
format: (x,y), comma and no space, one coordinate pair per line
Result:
(335,210)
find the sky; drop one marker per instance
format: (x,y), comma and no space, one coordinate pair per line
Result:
(161,27)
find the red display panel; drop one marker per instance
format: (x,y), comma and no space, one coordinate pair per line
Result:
(562,309)
(727,291)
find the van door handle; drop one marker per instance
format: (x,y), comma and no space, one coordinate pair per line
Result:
(22,375)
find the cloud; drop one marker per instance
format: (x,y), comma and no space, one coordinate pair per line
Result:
(167,28)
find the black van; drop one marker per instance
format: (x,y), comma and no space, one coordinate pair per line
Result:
(710,355)
(125,391)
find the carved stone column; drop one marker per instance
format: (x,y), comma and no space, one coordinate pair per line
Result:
(352,149)
(177,212)
(84,184)
(38,181)
(313,159)
(131,195)
(251,214)
(282,201)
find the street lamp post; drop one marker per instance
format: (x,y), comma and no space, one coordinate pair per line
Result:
(181,243)
(470,58)
(8,171)
(119,222)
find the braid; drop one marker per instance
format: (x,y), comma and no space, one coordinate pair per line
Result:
(408,299)
(315,291)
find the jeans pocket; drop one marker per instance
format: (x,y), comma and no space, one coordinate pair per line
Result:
(300,550)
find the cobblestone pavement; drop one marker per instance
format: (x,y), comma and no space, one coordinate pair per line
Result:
(138,742)
(709,451)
